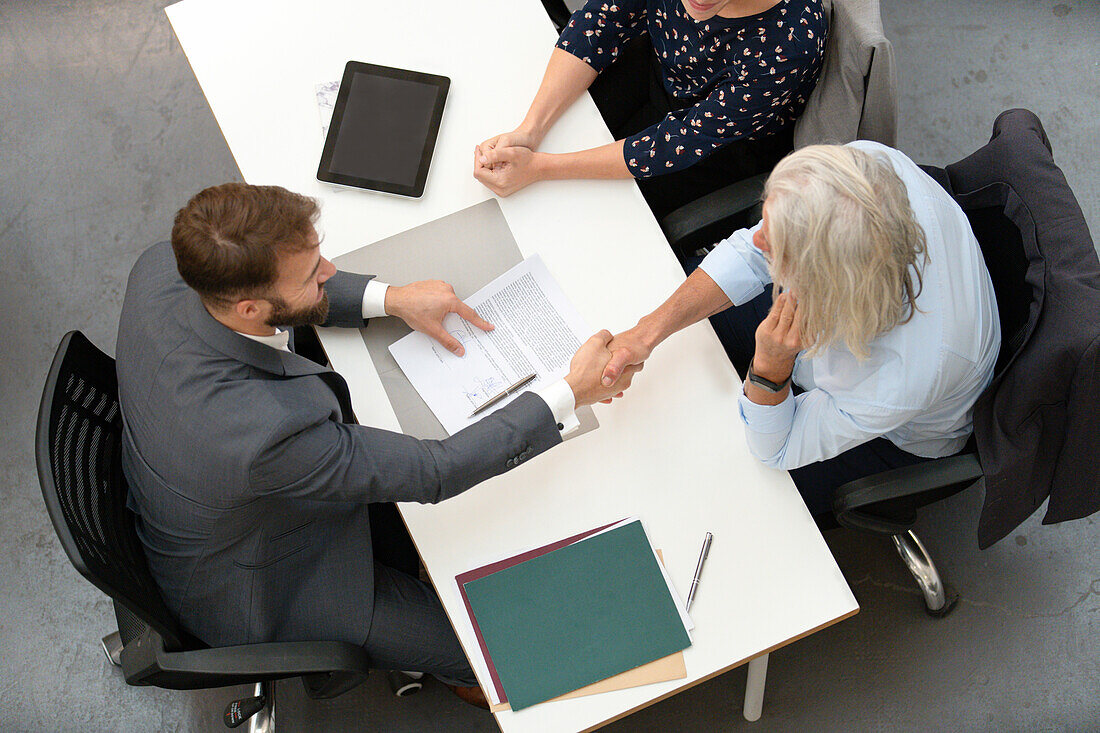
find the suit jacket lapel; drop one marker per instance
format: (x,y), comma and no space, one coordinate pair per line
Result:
(261,356)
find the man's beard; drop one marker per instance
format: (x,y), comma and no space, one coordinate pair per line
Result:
(283,316)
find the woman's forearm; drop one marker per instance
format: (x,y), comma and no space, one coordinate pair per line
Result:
(565,79)
(605,161)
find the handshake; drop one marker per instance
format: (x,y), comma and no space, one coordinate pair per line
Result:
(604,366)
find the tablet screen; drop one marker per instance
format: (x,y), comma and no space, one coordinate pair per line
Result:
(383,129)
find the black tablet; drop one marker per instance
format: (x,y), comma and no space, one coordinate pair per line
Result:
(383,129)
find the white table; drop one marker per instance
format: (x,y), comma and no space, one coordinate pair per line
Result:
(672,452)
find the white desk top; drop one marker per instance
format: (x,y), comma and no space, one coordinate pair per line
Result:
(672,452)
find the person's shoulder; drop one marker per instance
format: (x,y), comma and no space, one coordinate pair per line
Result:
(153,306)
(154,273)
(155,259)
(807,16)
(917,182)
(871,146)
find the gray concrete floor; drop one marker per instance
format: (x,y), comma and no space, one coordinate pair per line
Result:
(104,133)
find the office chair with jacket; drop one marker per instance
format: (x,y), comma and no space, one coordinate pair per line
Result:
(1036,425)
(77,449)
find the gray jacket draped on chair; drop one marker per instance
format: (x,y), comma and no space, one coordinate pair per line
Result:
(856,93)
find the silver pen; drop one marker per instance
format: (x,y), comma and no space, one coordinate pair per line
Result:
(699,569)
(504,393)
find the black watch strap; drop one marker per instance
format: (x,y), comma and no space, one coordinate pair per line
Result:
(767,384)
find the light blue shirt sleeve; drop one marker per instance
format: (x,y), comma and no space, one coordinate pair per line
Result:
(738,267)
(813,427)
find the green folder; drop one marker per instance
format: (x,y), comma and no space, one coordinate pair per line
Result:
(577,615)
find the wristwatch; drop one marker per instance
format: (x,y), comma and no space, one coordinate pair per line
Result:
(766,384)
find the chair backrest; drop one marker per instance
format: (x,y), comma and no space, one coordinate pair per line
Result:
(559,13)
(78,452)
(1005,259)
(856,93)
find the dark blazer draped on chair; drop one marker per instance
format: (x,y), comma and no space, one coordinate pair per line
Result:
(1038,424)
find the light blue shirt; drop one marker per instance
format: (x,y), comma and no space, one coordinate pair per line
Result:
(918,386)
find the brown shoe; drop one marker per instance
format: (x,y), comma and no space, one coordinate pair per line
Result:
(471,696)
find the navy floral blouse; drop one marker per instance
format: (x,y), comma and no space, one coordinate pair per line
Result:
(736,77)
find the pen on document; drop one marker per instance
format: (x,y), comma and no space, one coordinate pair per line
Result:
(699,569)
(504,393)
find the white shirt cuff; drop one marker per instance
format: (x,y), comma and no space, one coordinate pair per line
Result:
(374,299)
(559,397)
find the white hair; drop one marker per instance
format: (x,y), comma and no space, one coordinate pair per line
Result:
(844,239)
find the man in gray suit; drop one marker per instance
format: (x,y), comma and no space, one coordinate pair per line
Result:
(255,489)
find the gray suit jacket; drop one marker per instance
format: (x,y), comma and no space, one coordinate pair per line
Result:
(856,95)
(251,485)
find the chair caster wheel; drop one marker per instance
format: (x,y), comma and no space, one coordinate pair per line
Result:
(403,684)
(952,598)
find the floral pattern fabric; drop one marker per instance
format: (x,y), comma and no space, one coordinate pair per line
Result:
(737,78)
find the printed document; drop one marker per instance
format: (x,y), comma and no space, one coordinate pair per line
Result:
(537,331)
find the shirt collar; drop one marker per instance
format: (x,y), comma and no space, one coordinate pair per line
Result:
(280,340)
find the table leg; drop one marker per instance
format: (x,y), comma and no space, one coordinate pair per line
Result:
(754,687)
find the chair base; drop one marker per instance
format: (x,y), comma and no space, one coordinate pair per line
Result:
(112,648)
(264,721)
(939,599)
(405,683)
(258,710)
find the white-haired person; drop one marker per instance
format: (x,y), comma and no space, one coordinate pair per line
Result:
(882,336)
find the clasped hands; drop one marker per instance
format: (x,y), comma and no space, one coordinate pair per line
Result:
(423,306)
(506,163)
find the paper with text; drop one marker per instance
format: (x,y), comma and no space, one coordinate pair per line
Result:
(537,331)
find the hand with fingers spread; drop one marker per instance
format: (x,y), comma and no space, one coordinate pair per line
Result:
(505,169)
(778,341)
(423,306)
(586,372)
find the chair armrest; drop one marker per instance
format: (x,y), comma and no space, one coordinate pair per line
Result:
(712,208)
(145,661)
(938,479)
(558,12)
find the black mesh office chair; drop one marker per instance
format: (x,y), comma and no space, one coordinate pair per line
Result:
(77,449)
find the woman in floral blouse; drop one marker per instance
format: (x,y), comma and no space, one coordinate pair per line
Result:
(702,94)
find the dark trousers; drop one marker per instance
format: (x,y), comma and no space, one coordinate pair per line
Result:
(816,482)
(631,96)
(409,630)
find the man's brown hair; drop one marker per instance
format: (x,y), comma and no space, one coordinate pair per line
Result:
(228,238)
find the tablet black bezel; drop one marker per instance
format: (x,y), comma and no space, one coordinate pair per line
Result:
(442,84)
